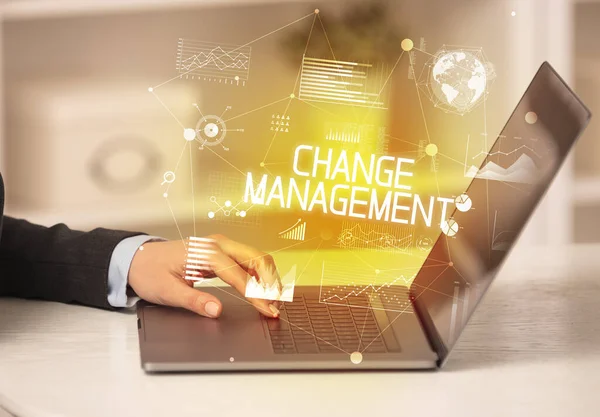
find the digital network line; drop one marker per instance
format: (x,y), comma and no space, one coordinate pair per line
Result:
(237,58)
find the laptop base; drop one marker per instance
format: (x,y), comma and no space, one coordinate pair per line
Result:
(310,335)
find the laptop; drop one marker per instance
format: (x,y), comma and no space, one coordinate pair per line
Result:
(362,331)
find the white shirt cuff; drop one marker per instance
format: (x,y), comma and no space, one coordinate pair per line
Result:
(118,270)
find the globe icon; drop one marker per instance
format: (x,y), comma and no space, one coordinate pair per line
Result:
(458,79)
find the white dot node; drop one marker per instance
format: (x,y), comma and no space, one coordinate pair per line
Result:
(356,358)
(237,78)
(531,118)
(141,248)
(407,45)
(165,195)
(228,203)
(243,213)
(317,11)
(232,359)
(150,89)
(189,134)
(211,215)
(513,13)
(431,149)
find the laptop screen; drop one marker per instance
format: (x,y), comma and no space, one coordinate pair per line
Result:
(496,206)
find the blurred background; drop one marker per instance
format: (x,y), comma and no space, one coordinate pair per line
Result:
(83,142)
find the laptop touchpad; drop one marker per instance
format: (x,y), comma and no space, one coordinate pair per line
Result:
(164,324)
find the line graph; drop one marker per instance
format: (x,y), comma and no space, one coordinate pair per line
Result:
(342,284)
(224,197)
(375,237)
(522,171)
(513,165)
(207,61)
(401,280)
(519,149)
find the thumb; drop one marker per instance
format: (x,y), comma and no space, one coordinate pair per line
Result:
(197,301)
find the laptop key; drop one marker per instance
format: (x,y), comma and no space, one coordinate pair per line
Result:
(312,327)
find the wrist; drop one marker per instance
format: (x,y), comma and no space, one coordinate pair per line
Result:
(118,273)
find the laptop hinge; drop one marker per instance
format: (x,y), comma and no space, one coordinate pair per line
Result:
(432,335)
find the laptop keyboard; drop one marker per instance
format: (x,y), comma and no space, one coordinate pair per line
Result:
(308,326)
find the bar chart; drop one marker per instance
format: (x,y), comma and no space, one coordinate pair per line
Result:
(342,82)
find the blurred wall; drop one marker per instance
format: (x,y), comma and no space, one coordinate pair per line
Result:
(587,154)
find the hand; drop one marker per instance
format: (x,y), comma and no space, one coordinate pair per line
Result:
(157,275)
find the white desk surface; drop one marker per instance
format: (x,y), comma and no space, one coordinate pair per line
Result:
(532,349)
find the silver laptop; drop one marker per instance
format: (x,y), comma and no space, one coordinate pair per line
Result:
(362,332)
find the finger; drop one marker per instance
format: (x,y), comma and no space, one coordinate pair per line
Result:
(255,262)
(230,272)
(191,299)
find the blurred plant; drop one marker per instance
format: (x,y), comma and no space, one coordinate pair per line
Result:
(365,33)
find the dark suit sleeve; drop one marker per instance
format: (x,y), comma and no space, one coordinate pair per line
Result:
(56,263)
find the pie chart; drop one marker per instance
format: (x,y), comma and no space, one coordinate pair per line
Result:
(463,203)
(450,228)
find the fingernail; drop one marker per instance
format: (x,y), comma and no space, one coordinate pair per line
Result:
(274,310)
(212,309)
